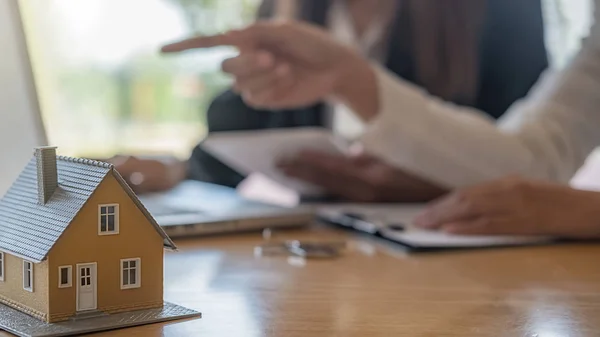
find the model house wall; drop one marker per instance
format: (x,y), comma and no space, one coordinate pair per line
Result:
(81,243)
(13,293)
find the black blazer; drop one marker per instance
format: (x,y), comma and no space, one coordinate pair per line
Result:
(512,57)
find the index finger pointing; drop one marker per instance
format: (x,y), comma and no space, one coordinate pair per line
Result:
(261,32)
(227,39)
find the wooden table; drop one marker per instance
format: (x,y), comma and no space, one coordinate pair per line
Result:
(376,289)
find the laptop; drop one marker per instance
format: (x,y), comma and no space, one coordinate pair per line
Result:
(197,208)
(192,208)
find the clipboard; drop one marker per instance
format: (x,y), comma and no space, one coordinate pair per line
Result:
(394,223)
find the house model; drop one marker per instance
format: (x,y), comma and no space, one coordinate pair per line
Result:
(75,240)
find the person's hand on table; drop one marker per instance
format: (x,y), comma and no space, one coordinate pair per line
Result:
(515,206)
(150,175)
(292,64)
(360,177)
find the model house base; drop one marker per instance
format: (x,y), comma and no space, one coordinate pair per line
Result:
(23,325)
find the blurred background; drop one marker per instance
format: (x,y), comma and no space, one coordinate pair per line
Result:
(104,88)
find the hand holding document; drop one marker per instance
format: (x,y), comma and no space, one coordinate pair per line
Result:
(258,152)
(316,164)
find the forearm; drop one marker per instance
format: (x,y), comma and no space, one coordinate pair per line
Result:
(357,87)
(559,120)
(448,145)
(441,142)
(547,137)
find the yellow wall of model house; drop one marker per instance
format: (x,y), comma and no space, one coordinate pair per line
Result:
(11,289)
(81,244)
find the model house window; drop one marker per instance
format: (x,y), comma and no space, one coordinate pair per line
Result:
(1,266)
(108,221)
(28,276)
(65,275)
(86,277)
(130,273)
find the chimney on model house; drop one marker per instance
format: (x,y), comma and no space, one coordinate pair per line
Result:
(47,175)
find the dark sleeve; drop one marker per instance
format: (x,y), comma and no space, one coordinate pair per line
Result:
(227,112)
(513,53)
(202,166)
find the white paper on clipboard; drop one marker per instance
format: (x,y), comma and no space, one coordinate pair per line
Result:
(382,216)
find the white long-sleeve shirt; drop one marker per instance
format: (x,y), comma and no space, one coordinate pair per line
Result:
(548,135)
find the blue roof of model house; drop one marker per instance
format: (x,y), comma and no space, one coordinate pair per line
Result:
(30,229)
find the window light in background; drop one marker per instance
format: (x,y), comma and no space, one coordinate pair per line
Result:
(105,89)
(103,86)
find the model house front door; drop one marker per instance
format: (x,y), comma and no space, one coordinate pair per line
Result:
(86,287)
